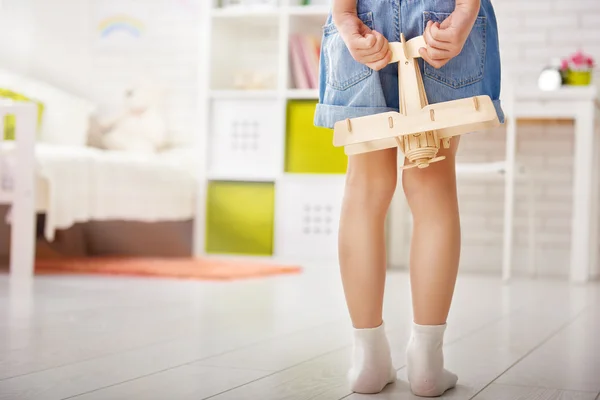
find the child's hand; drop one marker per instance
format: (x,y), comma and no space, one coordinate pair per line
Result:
(446,40)
(367,46)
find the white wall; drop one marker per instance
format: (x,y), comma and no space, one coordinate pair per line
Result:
(16,33)
(531,33)
(57,41)
(61,53)
(534,31)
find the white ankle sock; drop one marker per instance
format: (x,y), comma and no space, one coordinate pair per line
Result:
(425,362)
(372,367)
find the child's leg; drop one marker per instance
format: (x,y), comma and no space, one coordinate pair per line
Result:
(435,249)
(370,185)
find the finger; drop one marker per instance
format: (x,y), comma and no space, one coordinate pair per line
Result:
(437,54)
(382,43)
(431,42)
(440,34)
(437,64)
(446,23)
(441,63)
(428,26)
(377,51)
(382,63)
(360,42)
(433,62)
(378,46)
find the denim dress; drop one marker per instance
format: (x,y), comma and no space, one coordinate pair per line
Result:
(349,89)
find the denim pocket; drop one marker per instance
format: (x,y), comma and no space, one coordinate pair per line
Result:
(341,70)
(468,66)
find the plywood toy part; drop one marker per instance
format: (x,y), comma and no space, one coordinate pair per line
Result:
(419,129)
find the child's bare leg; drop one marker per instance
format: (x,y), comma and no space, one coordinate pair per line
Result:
(435,251)
(435,247)
(370,186)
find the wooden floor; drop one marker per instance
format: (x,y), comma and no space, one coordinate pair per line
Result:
(283,338)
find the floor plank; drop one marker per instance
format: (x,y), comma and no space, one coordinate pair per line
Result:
(286,351)
(189,382)
(510,392)
(568,361)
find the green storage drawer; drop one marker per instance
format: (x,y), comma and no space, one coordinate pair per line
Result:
(309,149)
(240,218)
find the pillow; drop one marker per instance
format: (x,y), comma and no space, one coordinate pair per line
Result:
(66,117)
(9,122)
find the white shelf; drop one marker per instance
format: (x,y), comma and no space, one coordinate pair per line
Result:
(243,94)
(212,176)
(300,94)
(245,12)
(321,11)
(234,12)
(294,94)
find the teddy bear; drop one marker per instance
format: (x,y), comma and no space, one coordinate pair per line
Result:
(139,128)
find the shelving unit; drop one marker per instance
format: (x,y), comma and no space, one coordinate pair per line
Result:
(268,172)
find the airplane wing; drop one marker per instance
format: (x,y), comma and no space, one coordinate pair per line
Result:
(363,129)
(449,118)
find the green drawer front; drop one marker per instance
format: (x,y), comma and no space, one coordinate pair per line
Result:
(309,149)
(240,218)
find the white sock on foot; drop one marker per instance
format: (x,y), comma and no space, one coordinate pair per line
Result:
(425,362)
(372,367)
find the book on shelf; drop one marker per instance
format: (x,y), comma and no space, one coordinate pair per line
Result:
(315,2)
(304,61)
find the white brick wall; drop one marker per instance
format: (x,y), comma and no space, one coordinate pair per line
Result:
(534,31)
(541,148)
(531,33)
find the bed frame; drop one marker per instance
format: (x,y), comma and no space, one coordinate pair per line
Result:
(21,195)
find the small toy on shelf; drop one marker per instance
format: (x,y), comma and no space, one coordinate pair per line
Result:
(247,3)
(419,128)
(577,69)
(314,2)
(252,80)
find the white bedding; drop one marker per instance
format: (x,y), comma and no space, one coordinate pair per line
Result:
(79,184)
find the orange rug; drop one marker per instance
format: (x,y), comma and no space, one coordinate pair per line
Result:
(177,268)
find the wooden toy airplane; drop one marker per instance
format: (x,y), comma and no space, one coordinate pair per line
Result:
(419,127)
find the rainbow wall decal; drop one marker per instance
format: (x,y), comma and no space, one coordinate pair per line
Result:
(121,23)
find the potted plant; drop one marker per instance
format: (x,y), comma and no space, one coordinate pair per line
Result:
(577,69)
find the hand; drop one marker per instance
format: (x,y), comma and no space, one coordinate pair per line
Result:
(366,46)
(446,40)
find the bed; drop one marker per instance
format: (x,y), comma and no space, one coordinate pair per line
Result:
(72,182)
(80,184)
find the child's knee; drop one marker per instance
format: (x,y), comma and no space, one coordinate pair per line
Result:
(434,184)
(370,191)
(371,179)
(438,179)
